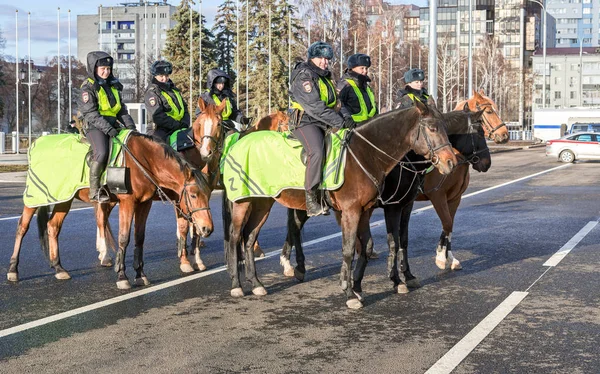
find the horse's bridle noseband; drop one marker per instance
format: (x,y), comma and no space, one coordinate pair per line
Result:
(486,121)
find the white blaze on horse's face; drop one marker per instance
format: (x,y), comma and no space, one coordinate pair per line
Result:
(205,149)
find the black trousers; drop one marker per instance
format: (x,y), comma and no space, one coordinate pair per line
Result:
(312,139)
(99,143)
(159,133)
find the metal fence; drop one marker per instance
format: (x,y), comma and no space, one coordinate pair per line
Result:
(520,134)
(9,142)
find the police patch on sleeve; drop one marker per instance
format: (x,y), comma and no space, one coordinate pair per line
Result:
(85,97)
(307,86)
(152,101)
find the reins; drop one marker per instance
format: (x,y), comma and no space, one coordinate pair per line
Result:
(486,121)
(163,196)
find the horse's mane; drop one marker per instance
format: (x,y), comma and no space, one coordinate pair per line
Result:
(384,116)
(169,152)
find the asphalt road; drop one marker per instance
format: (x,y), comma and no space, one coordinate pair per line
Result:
(509,310)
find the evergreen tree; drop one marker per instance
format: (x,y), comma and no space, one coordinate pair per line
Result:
(224,30)
(177,51)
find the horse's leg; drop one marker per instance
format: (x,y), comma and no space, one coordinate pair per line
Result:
(451,260)
(233,222)
(257,218)
(364,234)
(126,210)
(197,243)
(54,225)
(392,224)
(102,243)
(444,208)
(22,228)
(410,280)
(350,221)
(140,217)
(295,223)
(258,252)
(182,232)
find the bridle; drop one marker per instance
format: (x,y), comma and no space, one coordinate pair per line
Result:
(473,158)
(184,194)
(488,124)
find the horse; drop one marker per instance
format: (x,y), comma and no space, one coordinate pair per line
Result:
(400,189)
(391,135)
(494,128)
(155,166)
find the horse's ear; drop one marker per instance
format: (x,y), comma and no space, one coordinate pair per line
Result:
(221,106)
(466,107)
(422,108)
(481,92)
(201,105)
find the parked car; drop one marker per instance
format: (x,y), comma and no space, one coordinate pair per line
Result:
(583,145)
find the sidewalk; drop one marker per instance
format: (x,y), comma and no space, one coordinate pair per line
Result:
(13,159)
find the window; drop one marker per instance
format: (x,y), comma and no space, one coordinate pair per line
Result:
(557,95)
(584,138)
(573,95)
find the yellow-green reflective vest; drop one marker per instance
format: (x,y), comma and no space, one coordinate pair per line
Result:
(104,105)
(323,94)
(227,112)
(413,97)
(176,114)
(362,115)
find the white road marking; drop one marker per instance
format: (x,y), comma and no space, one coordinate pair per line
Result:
(462,349)
(145,291)
(558,256)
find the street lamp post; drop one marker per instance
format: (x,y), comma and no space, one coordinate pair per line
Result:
(29,84)
(544,40)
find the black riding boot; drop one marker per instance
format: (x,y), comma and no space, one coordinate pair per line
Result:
(96,194)
(313,205)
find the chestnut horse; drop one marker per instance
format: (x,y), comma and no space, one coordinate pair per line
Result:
(493,127)
(152,166)
(391,135)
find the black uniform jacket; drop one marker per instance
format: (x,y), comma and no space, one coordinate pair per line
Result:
(158,106)
(236,114)
(305,91)
(350,102)
(405,101)
(88,101)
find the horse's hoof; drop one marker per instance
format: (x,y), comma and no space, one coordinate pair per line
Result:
(402,288)
(237,292)
(258,253)
(63,275)
(186,268)
(441,264)
(142,281)
(456,265)
(354,304)
(200,266)
(299,275)
(289,272)
(106,263)
(413,283)
(12,277)
(259,291)
(123,284)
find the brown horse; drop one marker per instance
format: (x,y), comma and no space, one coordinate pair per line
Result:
(493,126)
(153,166)
(390,136)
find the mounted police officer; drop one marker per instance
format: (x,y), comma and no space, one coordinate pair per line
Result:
(413,90)
(164,103)
(102,109)
(313,100)
(219,89)
(357,98)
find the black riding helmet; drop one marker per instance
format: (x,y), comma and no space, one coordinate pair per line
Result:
(161,68)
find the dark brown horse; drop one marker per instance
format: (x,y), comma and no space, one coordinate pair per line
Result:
(153,167)
(493,126)
(390,136)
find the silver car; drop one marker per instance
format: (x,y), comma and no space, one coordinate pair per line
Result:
(582,145)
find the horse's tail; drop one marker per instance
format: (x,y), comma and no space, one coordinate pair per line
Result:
(42,223)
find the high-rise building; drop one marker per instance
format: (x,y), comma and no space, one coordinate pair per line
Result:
(577,21)
(134,34)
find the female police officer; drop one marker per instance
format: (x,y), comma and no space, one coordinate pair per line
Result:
(313,99)
(219,89)
(357,98)
(101,107)
(413,90)
(164,103)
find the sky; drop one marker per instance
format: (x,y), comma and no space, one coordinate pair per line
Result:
(44,19)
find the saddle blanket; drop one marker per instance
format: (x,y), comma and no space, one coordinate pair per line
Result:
(58,167)
(264,163)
